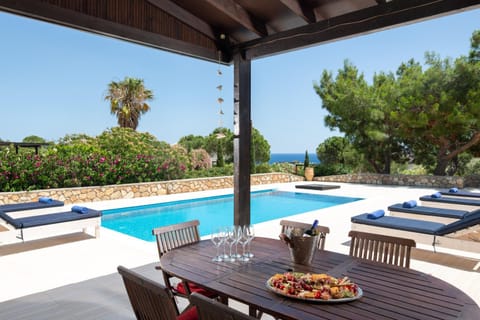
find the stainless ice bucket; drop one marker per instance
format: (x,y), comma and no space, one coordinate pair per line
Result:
(303,248)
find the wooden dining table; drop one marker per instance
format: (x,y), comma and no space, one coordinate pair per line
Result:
(389,292)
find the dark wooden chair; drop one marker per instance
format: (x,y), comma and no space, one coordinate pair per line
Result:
(209,309)
(381,248)
(151,300)
(288,225)
(174,236)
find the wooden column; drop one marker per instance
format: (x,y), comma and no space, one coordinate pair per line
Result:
(242,139)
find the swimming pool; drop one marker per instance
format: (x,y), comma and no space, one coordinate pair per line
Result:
(214,211)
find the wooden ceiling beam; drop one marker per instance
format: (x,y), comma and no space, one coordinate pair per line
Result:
(300,10)
(54,14)
(375,18)
(236,12)
(184,16)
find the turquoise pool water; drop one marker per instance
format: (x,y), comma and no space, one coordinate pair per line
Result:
(214,211)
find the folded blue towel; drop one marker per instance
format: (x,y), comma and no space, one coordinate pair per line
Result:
(45,200)
(436,195)
(376,214)
(80,209)
(453,190)
(410,204)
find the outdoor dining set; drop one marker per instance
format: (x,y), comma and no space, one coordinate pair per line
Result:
(292,277)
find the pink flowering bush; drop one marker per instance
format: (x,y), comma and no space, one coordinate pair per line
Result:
(116,156)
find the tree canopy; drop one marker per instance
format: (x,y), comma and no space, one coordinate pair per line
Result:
(430,115)
(128,101)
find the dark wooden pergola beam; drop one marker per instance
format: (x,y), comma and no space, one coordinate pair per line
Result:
(375,18)
(184,16)
(69,18)
(242,130)
(300,10)
(236,12)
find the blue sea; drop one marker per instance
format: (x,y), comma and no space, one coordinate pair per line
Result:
(292,157)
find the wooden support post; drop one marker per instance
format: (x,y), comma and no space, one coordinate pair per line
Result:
(242,139)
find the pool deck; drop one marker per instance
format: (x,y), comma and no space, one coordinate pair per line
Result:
(38,266)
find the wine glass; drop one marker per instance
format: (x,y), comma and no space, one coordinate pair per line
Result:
(243,240)
(238,233)
(250,233)
(217,239)
(230,239)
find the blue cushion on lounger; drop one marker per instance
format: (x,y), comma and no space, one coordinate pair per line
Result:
(410,204)
(376,214)
(45,219)
(429,211)
(79,209)
(470,220)
(460,193)
(453,190)
(45,200)
(453,200)
(29,205)
(420,226)
(436,195)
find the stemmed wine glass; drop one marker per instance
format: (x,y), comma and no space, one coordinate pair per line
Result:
(238,233)
(217,238)
(249,230)
(230,239)
(243,240)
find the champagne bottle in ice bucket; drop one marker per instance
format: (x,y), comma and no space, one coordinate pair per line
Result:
(312,231)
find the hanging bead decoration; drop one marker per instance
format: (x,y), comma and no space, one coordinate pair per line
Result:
(219,88)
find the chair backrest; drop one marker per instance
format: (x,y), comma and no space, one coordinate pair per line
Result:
(176,235)
(288,226)
(149,299)
(211,309)
(381,248)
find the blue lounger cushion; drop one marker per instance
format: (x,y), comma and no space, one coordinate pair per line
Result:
(463,201)
(461,193)
(470,220)
(375,214)
(405,224)
(429,211)
(409,204)
(30,205)
(80,209)
(46,219)
(420,226)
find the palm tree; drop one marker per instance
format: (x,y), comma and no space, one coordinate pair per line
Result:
(127,101)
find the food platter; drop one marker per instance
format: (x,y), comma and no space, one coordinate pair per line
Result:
(318,288)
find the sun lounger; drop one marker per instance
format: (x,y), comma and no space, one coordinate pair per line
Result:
(426,232)
(30,205)
(61,221)
(459,193)
(451,203)
(434,214)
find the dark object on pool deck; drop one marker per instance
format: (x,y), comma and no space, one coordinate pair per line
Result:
(317,186)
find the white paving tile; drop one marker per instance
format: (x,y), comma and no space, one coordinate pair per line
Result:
(31,271)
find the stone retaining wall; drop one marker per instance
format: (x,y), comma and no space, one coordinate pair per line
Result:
(405,180)
(129,191)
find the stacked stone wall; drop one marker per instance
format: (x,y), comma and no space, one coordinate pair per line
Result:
(405,180)
(129,191)
(148,189)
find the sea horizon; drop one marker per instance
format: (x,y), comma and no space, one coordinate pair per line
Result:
(292,157)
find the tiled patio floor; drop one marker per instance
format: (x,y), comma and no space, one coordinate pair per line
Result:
(75,276)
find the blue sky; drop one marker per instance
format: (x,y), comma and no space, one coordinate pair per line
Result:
(53,80)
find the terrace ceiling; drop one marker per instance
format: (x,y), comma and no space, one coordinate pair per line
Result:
(217,29)
(234,32)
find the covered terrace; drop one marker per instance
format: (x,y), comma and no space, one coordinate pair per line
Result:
(234,32)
